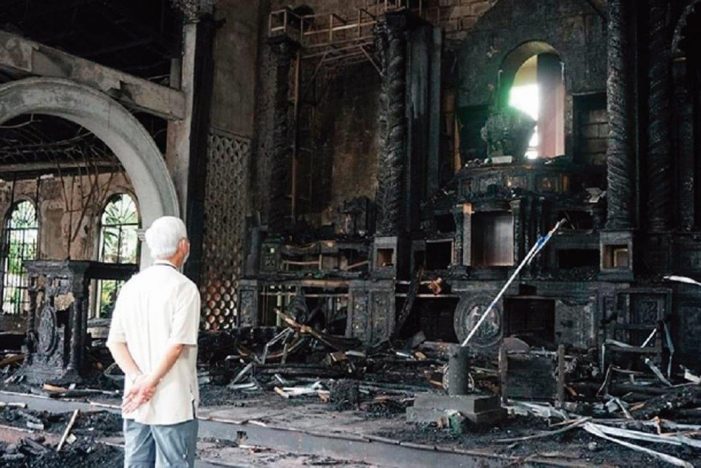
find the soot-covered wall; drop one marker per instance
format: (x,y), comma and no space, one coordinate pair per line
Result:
(347,137)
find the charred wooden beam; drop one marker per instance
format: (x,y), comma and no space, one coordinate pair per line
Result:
(659,154)
(619,153)
(52,167)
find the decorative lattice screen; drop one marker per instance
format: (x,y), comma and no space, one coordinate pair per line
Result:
(224,228)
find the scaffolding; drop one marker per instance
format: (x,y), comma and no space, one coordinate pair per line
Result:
(335,38)
(329,42)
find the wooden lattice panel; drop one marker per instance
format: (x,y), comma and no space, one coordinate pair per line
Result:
(224,228)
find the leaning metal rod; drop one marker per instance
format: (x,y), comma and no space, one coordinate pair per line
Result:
(537,247)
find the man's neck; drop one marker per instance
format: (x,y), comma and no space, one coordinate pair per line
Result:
(168,261)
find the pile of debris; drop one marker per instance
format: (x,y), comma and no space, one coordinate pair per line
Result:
(36,453)
(42,447)
(656,431)
(637,406)
(632,396)
(11,356)
(624,405)
(300,361)
(91,424)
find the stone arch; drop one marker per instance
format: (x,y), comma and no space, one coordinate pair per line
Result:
(111,123)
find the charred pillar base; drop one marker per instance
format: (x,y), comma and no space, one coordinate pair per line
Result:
(389,257)
(478,409)
(249,294)
(371,309)
(459,371)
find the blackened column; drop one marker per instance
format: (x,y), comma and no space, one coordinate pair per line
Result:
(619,154)
(390,36)
(684,132)
(659,154)
(283,50)
(202,84)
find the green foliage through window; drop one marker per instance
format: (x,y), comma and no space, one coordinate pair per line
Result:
(118,230)
(119,243)
(19,244)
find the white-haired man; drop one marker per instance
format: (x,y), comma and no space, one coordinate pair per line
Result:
(153,339)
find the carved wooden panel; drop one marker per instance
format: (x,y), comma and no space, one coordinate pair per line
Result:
(224,227)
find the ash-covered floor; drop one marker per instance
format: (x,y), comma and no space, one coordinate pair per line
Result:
(333,402)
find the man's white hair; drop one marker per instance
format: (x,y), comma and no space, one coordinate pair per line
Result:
(164,235)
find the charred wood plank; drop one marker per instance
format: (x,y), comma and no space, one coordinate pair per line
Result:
(674,399)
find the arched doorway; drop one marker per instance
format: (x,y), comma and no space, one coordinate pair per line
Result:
(111,123)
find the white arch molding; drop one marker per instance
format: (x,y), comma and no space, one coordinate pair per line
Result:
(111,123)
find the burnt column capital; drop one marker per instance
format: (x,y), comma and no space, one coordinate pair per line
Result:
(395,22)
(193,10)
(283,46)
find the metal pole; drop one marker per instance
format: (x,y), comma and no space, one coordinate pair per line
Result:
(537,247)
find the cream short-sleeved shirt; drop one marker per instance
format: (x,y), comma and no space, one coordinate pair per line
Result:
(156,308)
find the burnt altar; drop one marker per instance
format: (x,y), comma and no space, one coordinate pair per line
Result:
(457,208)
(58,315)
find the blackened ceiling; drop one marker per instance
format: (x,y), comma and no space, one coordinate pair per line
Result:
(136,36)
(139,37)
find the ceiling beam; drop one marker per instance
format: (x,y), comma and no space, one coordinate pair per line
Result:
(49,167)
(30,57)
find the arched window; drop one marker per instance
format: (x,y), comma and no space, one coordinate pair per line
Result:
(19,244)
(533,75)
(118,244)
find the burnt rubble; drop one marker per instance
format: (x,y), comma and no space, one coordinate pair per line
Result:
(551,397)
(33,452)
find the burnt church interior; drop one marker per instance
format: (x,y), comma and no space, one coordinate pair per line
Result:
(425,232)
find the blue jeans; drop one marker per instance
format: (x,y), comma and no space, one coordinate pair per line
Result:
(148,446)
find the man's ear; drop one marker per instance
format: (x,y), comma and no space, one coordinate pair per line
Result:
(184,245)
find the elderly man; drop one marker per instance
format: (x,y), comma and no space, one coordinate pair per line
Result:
(153,339)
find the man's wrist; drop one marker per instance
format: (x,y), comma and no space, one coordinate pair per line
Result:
(134,377)
(152,380)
